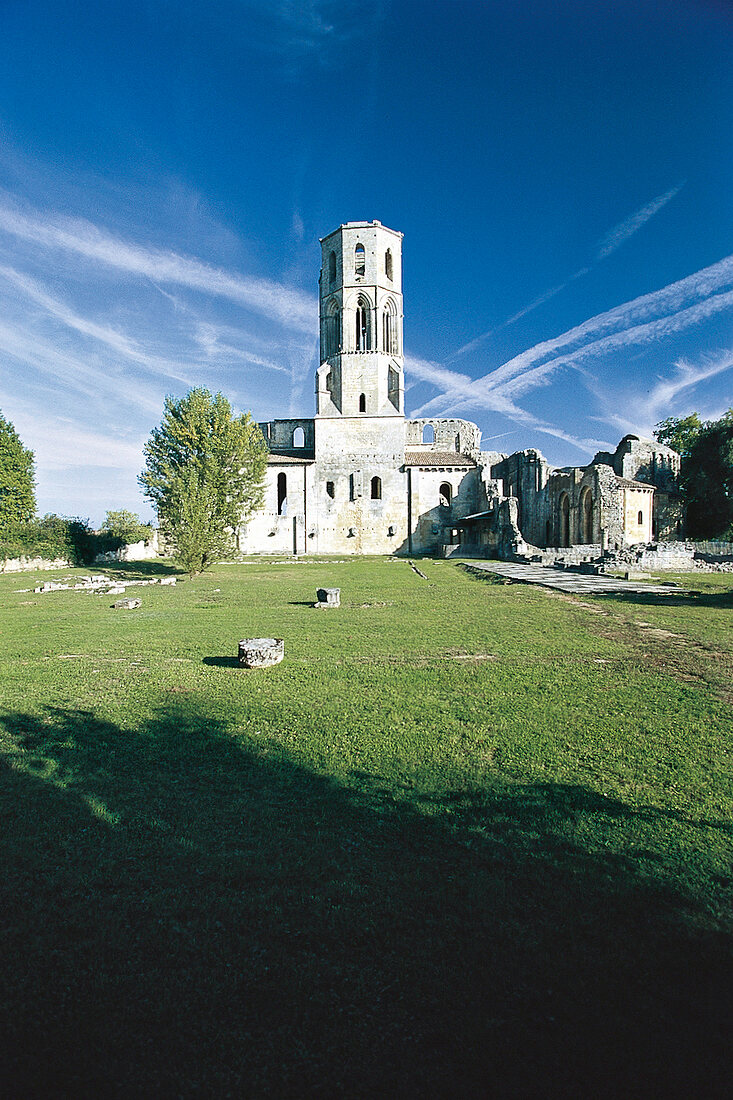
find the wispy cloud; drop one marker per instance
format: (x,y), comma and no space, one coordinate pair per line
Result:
(460,394)
(109,337)
(642,321)
(625,229)
(663,399)
(290,306)
(609,243)
(214,342)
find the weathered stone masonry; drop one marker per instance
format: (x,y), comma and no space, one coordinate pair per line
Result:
(358,478)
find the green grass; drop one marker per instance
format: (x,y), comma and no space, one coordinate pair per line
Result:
(468,839)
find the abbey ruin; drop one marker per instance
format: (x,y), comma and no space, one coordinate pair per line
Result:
(360,478)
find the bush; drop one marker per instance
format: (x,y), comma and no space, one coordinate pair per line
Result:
(122,528)
(51,537)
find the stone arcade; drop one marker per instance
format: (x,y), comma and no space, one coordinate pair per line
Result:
(358,478)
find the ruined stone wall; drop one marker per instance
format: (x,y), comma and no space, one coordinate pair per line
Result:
(525,476)
(461,436)
(606,510)
(432,521)
(30,565)
(279,434)
(496,534)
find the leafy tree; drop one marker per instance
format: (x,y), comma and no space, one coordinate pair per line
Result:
(204,474)
(17,480)
(679,432)
(125,527)
(706,473)
(708,480)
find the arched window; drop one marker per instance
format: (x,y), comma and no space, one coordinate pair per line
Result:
(586,516)
(362,402)
(393,387)
(428,434)
(376,488)
(332,267)
(564,520)
(388,271)
(330,489)
(333,331)
(445,494)
(640,518)
(359,260)
(299,438)
(363,325)
(282,495)
(389,328)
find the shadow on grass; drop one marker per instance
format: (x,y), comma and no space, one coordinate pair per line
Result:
(186,914)
(141,570)
(222,662)
(719,600)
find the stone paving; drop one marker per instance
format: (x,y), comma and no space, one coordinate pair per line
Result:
(580,584)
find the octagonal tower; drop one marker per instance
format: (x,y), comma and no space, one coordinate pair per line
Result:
(362,365)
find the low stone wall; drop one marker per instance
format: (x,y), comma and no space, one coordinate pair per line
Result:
(677,556)
(571,555)
(31,565)
(136,551)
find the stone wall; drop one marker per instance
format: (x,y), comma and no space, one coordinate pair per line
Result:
(433,522)
(525,475)
(281,434)
(30,565)
(352,452)
(134,551)
(460,436)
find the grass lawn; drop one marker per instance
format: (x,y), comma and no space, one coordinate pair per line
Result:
(468,839)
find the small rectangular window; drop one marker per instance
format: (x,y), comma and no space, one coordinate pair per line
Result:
(330,489)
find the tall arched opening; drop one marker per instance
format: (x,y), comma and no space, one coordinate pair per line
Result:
(586,516)
(564,520)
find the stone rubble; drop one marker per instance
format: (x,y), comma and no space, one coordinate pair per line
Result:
(328,597)
(98,583)
(261,652)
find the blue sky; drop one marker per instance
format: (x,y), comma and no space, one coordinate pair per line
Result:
(562,172)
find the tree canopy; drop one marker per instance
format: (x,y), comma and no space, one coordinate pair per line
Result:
(125,527)
(204,474)
(679,432)
(706,473)
(17,480)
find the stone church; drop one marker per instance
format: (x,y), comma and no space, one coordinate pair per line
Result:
(359,478)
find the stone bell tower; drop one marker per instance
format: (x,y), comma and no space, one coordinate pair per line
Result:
(362,365)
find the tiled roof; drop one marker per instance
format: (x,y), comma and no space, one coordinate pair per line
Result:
(289,459)
(437,458)
(626,483)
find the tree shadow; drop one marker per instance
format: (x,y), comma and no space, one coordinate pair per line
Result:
(689,598)
(191,913)
(140,570)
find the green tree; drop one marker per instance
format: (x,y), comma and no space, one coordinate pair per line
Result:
(204,474)
(706,472)
(708,480)
(125,527)
(17,480)
(679,432)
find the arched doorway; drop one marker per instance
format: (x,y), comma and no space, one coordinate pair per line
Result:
(586,516)
(564,520)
